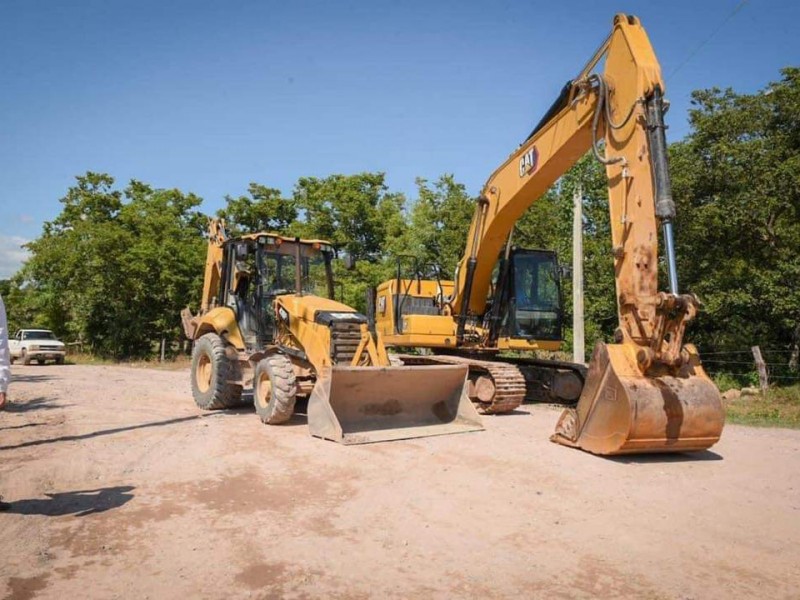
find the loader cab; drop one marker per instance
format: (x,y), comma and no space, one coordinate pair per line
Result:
(257,268)
(530,301)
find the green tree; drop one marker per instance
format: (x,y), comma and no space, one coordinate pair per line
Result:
(354,212)
(115,267)
(265,209)
(440,222)
(736,180)
(361,218)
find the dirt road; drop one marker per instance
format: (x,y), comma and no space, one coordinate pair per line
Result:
(121,488)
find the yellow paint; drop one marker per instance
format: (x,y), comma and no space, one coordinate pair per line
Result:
(506,343)
(314,339)
(222,321)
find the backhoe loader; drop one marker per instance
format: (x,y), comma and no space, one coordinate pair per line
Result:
(646,392)
(264,321)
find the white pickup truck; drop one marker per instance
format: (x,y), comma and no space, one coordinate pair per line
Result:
(36,344)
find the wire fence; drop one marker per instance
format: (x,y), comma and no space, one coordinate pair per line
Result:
(741,365)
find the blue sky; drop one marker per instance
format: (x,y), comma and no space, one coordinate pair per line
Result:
(209,96)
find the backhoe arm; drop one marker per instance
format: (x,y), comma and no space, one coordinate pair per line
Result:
(212,277)
(213,270)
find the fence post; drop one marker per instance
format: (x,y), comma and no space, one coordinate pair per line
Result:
(163,343)
(762,369)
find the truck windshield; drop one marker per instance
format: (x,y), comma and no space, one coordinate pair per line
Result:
(38,335)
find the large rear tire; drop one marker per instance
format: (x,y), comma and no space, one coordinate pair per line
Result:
(211,369)
(274,389)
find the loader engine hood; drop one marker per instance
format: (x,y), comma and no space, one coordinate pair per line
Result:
(327,317)
(316,309)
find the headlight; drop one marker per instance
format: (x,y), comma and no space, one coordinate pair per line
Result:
(33,347)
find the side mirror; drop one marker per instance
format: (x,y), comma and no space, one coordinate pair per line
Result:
(349,262)
(564,271)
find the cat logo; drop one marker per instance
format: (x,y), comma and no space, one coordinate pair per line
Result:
(528,162)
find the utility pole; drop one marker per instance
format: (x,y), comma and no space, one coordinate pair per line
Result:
(578,343)
(761,367)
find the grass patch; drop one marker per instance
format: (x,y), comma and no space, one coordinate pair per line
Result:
(170,364)
(77,358)
(779,407)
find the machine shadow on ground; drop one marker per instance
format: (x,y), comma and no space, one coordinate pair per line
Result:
(78,503)
(28,377)
(102,432)
(41,403)
(701,456)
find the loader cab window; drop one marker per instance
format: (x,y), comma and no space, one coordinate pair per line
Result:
(277,271)
(536,296)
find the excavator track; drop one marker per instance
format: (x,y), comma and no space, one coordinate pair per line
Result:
(551,381)
(495,387)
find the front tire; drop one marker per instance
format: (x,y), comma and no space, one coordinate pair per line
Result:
(274,389)
(211,369)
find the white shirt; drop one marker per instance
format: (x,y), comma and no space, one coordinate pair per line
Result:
(5,367)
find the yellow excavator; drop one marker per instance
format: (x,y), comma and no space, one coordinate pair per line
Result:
(646,392)
(265,322)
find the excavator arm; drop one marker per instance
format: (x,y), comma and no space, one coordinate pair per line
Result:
(614,106)
(648,391)
(624,106)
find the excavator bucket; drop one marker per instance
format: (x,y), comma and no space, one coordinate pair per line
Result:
(623,411)
(359,405)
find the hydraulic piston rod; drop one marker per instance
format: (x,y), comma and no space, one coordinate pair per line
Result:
(669,247)
(665,205)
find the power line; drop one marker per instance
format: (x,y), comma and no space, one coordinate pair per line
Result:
(722,24)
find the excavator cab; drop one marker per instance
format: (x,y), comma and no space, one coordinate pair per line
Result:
(527,294)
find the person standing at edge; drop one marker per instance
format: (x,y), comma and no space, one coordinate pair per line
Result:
(5,369)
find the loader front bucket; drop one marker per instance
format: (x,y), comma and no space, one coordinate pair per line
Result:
(624,411)
(359,405)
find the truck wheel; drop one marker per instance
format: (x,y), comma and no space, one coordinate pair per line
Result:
(26,360)
(59,360)
(41,361)
(211,369)
(274,389)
